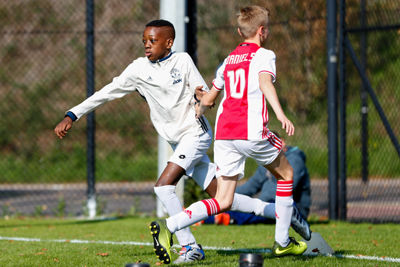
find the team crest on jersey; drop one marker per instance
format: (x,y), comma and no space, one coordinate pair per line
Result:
(176,75)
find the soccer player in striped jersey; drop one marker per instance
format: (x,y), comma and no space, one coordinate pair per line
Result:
(246,77)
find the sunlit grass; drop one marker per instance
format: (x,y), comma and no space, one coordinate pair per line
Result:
(344,238)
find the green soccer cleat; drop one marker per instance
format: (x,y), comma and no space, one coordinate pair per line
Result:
(162,240)
(293,248)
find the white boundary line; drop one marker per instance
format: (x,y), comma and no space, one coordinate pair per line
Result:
(133,243)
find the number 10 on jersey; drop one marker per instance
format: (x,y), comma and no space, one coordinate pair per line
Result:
(237,82)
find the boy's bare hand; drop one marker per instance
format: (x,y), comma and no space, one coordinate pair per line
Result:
(62,128)
(199,92)
(287,125)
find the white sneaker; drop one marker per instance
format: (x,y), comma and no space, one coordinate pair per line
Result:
(300,225)
(190,254)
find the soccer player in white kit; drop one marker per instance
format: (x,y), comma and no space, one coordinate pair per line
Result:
(168,82)
(247,75)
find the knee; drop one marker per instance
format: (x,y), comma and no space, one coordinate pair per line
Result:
(161,182)
(288,174)
(225,204)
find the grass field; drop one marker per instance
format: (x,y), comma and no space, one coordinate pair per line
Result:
(115,242)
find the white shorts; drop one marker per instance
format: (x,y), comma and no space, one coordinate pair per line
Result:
(230,155)
(191,154)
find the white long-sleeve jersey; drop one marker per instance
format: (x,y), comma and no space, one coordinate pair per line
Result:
(168,85)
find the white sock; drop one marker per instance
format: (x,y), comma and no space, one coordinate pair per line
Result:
(284,209)
(196,212)
(248,204)
(171,202)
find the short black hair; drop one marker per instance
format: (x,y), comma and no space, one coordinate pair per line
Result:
(162,23)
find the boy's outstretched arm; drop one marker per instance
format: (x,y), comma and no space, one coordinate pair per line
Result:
(62,128)
(268,89)
(207,101)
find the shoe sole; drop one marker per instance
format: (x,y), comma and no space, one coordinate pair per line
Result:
(306,236)
(160,250)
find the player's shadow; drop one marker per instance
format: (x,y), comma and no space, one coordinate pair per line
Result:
(267,254)
(341,254)
(244,250)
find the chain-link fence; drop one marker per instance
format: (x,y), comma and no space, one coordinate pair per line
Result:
(372,29)
(42,74)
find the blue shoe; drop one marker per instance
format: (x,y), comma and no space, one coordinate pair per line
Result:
(190,254)
(300,225)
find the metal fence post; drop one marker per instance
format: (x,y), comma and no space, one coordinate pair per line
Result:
(191,30)
(364,96)
(342,112)
(91,193)
(332,109)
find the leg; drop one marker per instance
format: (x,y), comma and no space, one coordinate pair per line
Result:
(165,191)
(212,188)
(171,175)
(162,230)
(246,204)
(193,149)
(266,209)
(225,191)
(281,168)
(283,171)
(241,218)
(248,210)
(200,210)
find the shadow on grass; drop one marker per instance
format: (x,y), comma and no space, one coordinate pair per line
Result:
(267,254)
(243,250)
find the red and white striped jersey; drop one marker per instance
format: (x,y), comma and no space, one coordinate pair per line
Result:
(243,113)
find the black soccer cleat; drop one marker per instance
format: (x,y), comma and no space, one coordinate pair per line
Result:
(162,238)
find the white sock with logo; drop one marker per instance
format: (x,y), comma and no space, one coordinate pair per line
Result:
(171,202)
(196,212)
(283,211)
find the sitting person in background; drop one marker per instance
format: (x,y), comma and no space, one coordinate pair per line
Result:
(263,183)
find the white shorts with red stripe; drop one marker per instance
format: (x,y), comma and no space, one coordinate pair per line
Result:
(230,155)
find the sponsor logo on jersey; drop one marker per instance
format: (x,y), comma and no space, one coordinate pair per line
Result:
(176,75)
